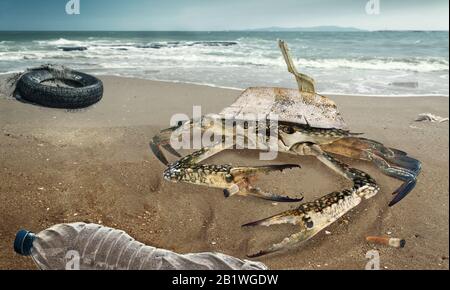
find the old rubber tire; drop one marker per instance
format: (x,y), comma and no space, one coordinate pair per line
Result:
(83,91)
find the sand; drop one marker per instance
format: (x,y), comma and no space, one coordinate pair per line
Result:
(94,165)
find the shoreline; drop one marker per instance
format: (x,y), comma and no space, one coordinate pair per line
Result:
(95,165)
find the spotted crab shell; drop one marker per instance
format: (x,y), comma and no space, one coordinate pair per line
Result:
(289,105)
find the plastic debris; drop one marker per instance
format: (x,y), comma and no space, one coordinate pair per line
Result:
(430,118)
(80,246)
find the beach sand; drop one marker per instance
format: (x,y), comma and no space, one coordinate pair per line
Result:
(95,165)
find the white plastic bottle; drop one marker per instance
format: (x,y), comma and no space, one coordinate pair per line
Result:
(80,246)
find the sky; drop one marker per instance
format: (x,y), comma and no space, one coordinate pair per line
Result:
(223,14)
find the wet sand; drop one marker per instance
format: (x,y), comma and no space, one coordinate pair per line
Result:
(94,165)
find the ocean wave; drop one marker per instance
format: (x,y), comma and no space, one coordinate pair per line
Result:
(155,45)
(201,59)
(411,64)
(72,48)
(346,65)
(242,52)
(191,57)
(214,53)
(58,42)
(172,44)
(337,91)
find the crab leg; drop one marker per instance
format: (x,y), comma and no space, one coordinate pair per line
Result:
(313,217)
(390,161)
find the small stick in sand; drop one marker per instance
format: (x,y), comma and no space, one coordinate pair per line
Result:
(387,241)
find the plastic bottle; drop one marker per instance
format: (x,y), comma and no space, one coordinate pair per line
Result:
(80,246)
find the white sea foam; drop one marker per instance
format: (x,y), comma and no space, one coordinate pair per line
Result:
(413,64)
(227,56)
(61,41)
(247,60)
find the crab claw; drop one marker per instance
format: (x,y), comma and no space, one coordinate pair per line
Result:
(401,167)
(257,192)
(397,164)
(314,216)
(162,140)
(244,176)
(407,170)
(295,217)
(156,149)
(283,218)
(392,162)
(307,232)
(403,191)
(233,180)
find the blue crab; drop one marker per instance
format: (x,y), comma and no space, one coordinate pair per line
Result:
(308,124)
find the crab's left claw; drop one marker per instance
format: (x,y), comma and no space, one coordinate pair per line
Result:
(156,149)
(397,164)
(400,167)
(392,162)
(244,176)
(403,191)
(162,140)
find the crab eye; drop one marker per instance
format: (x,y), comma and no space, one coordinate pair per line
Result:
(288,130)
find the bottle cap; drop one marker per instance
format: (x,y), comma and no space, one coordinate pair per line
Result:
(24,242)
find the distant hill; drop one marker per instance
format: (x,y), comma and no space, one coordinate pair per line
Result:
(314,28)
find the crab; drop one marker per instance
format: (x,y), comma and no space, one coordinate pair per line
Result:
(307,124)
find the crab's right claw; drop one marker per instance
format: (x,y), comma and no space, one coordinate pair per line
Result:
(242,178)
(257,192)
(314,216)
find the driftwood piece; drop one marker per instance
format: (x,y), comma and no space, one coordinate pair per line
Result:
(302,106)
(288,105)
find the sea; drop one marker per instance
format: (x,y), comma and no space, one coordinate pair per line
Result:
(376,63)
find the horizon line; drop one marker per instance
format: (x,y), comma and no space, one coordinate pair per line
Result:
(232,30)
